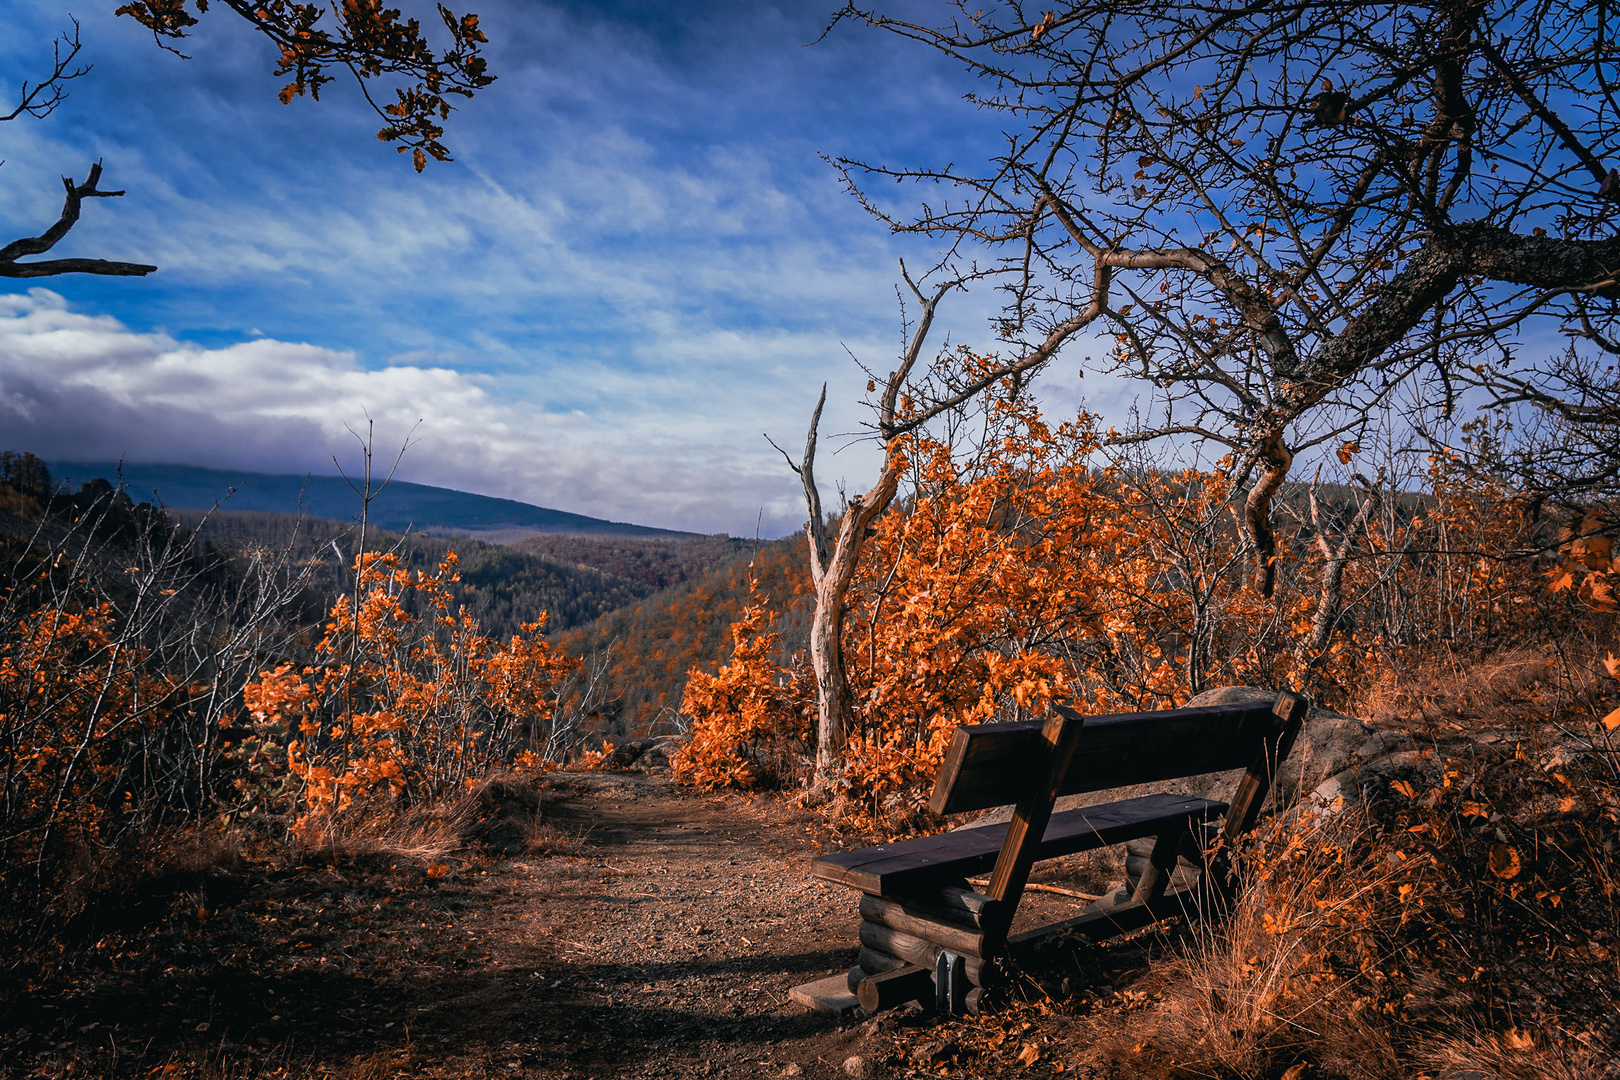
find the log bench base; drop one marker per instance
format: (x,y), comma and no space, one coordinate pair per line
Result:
(830,995)
(888,982)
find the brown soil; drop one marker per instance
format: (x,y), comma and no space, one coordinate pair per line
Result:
(661,940)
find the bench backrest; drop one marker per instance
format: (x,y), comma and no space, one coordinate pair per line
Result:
(990,764)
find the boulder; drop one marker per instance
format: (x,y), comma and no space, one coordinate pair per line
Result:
(652,753)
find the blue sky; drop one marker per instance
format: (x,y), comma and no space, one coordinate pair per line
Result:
(636,264)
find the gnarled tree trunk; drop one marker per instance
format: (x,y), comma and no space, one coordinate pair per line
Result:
(832,572)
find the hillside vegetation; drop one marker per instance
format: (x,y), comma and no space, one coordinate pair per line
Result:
(163,682)
(574,579)
(642,655)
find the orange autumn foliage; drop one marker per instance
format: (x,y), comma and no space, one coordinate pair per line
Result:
(752,713)
(74,696)
(1589,570)
(405,702)
(1033,570)
(1030,575)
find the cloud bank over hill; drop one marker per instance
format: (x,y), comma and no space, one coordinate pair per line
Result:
(81,387)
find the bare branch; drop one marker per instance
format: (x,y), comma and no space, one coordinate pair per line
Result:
(816,527)
(41,99)
(37,245)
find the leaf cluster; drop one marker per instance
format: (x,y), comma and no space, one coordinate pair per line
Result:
(369,40)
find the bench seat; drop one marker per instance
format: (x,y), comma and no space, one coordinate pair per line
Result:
(909,866)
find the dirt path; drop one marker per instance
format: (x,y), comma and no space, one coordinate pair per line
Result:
(660,941)
(660,938)
(666,949)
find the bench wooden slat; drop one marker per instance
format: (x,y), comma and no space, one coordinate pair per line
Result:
(923,952)
(907,866)
(988,764)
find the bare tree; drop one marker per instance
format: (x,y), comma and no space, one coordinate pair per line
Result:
(1284,211)
(367,40)
(907,398)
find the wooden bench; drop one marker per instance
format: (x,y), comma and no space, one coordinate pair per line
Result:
(927,935)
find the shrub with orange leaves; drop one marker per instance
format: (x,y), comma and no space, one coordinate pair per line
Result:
(1590,565)
(595,759)
(752,713)
(406,700)
(1367,940)
(73,695)
(962,599)
(1017,576)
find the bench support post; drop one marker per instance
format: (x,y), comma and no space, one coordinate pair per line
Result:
(950,983)
(1167,849)
(1059,737)
(1288,717)
(1289,714)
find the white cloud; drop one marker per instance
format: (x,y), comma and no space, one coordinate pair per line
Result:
(82,387)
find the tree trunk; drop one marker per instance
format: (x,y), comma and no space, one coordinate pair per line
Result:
(1274,459)
(833,707)
(833,562)
(1330,598)
(833,573)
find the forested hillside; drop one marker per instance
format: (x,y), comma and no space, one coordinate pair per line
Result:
(575,579)
(642,653)
(656,563)
(503,587)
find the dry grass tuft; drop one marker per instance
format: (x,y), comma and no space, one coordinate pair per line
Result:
(503,813)
(1512,1055)
(1268,987)
(1514,688)
(419,836)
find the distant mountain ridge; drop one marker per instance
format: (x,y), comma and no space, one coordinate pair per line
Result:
(401,506)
